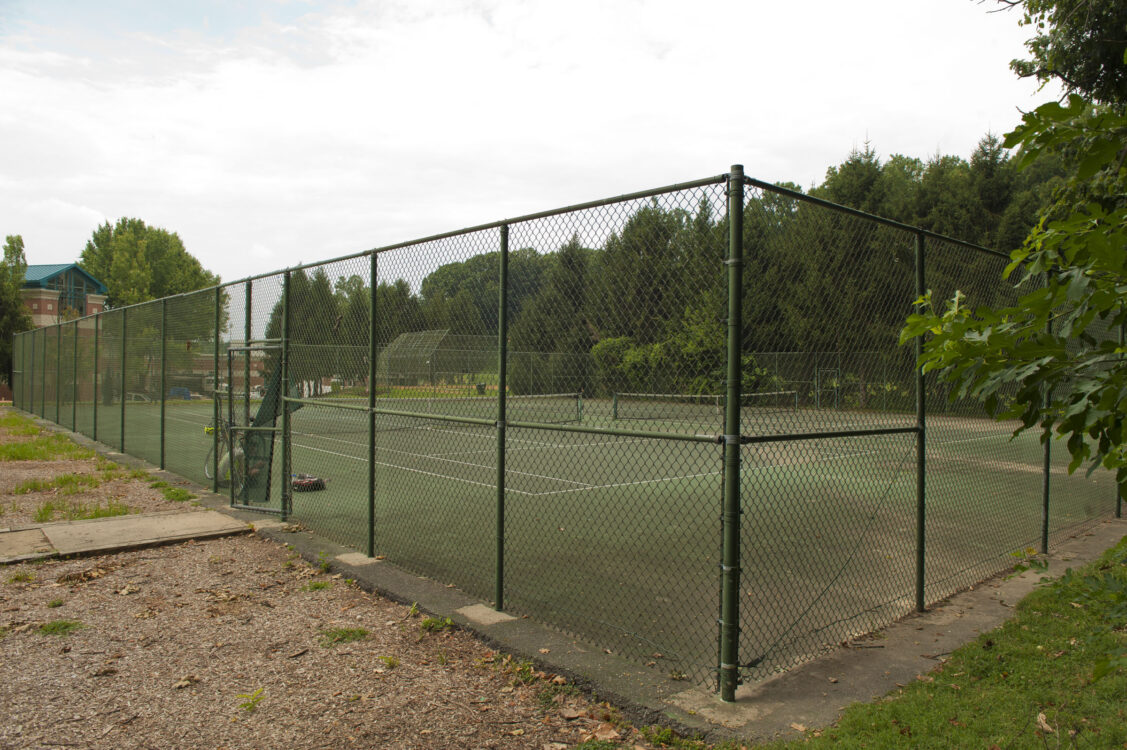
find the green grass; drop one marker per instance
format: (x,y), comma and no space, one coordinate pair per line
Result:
(60,627)
(317,586)
(54,603)
(71,511)
(21,578)
(49,447)
(1042,663)
(18,425)
(333,636)
(67,484)
(177,494)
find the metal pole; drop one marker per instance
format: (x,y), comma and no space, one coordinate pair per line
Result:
(1048,399)
(730,567)
(231,415)
(246,356)
(215,400)
(163,371)
(372,276)
(43,379)
(123,380)
(74,384)
(502,414)
(97,389)
(58,372)
(287,483)
(31,380)
(921,442)
(1122,344)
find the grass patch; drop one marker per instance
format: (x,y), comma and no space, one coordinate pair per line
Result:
(71,511)
(67,484)
(60,627)
(21,578)
(334,636)
(48,447)
(54,603)
(1035,681)
(18,425)
(177,494)
(317,585)
(436,624)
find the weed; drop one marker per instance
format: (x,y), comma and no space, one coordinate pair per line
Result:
(334,636)
(139,474)
(55,603)
(436,624)
(414,610)
(288,564)
(44,448)
(60,627)
(177,494)
(546,698)
(317,585)
(390,661)
(77,511)
(323,564)
(159,484)
(21,578)
(1027,559)
(17,425)
(252,700)
(68,484)
(442,657)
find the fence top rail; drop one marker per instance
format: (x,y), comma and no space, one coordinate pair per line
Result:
(871,217)
(713,180)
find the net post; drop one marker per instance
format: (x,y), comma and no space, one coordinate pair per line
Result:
(730,569)
(97,393)
(287,482)
(502,393)
(215,397)
(163,371)
(921,441)
(124,380)
(372,276)
(74,384)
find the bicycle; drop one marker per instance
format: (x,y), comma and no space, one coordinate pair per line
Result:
(232,453)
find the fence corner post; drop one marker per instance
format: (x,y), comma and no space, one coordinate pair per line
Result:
(373,275)
(730,566)
(921,441)
(287,483)
(502,391)
(163,371)
(124,381)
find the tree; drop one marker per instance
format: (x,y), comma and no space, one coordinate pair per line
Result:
(14,317)
(1062,338)
(1081,43)
(139,263)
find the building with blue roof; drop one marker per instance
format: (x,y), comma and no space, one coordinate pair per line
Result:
(54,292)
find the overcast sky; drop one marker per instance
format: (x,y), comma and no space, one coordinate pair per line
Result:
(272,132)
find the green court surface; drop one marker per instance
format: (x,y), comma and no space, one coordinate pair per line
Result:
(618,538)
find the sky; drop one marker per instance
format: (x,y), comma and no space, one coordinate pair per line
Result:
(268,133)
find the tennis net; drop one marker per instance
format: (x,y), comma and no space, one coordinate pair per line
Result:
(698,406)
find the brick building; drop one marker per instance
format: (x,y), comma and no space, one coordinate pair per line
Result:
(61,291)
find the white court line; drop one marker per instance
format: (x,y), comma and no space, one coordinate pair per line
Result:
(629,484)
(364,447)
(416,471)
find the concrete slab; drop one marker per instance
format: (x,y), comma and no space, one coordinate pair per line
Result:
(484,615)
(356,558)
(25,544)
(130,532)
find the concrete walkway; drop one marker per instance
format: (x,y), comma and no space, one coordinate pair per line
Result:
(102,535)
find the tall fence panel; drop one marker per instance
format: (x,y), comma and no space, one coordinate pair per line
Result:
(677,423)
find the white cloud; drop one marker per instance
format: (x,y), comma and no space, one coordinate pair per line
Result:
(318,132)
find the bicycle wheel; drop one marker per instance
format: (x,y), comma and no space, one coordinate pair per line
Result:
(209,462)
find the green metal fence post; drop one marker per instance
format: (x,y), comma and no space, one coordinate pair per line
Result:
(31,379)
(124,351)
(97,390)
(215,399)
(287,484)
(921,441)
(502,415)
(1118,489)
(163,371)
(74,384)
(730,567)
(43,378)
(58,372)
(372,276)
(246,355)
(1048,399)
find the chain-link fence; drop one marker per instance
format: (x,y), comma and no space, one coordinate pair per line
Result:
(677,423)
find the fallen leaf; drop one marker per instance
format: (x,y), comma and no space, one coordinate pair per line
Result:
(1043,725)
(833,679)
(797,727)
(570,713)
(517,732)
(186,681)
(557,680)
(606,733)
(545,650)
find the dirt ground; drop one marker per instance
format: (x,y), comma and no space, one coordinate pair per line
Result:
(238,643)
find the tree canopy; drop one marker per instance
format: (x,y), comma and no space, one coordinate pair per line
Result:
(137,262)
(14,317)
